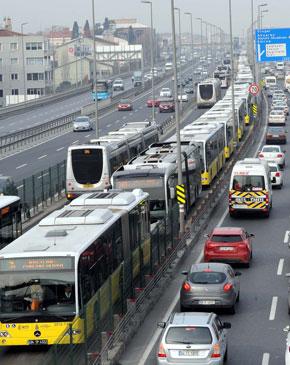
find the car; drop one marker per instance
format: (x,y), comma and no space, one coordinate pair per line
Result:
(125,105)
(118,85)
(193,338)
(210,285)
(183,97)
(287,351)
(281,103)
(151,102)
(279,108)
(166,92)
(276,135)
(82,123)
(276,117)
(189,90)
(272,153)
(166,105)
(230,245)
(276,175)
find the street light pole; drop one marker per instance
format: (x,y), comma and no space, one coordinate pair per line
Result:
(95,70)
(201,45)
(235,132)
(259,26)
(23,62)
(252,40)
(177,121)
(180,71)
(262,16)
(152,57)
(192,47)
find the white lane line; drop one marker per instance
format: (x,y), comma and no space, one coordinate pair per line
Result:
(273,308)
(286,237)
(41,157)
(59,149)
(280,267)
(87,136)
(75,141)
(266,358)
(19,187)
(19,167)
(109,125)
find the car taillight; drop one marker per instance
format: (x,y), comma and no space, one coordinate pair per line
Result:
(186,286)
(277,174)
(228,287)
(161,352)
(279,155)
(261,155)
(267,198)
(216,351)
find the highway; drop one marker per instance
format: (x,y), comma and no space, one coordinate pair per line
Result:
(49,153)
(256,336)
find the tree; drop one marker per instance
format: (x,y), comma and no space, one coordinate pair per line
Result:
(75,31)
(131,35)
(106,24)
(87,30)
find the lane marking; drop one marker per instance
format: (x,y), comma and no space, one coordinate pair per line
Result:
(59,149)
(109,125)
(266,358)
(87,136)
(41,157)
(19,167)
(273,308)
(280,267)
(75,141)
(286,237)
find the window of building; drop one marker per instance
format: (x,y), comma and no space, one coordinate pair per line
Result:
(35,76)
(34,61)
(14,61)
(33,46)
(1,93)
(13,46)
(14,76)
(15,92)
(1,77)
(35,91)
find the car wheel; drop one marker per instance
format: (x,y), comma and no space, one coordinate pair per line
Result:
(182,308)
(226,356)
(232,309)
(288,308)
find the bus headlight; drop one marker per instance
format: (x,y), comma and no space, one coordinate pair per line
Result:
(4,334)
(73,332)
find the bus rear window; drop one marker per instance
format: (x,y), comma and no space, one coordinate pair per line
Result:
(248,183)
(87,165)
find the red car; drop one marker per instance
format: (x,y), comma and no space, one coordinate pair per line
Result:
(150,103)
(166,105)
(125,104)
(229,245)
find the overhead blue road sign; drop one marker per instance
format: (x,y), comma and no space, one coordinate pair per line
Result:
(273,44)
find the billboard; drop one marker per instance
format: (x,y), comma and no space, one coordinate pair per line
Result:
(273,44)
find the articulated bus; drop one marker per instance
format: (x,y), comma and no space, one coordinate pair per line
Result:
(155,171)
(208,92)
(104,90)
(93,249)
(90,166)
(10,219)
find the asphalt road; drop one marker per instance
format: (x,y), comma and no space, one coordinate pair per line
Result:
(49,153)
(256,336)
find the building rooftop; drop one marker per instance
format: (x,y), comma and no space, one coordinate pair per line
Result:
(8,33)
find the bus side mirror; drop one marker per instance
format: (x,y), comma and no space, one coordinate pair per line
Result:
(172,192)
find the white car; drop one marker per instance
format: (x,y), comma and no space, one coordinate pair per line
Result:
(287,351)
(276,175)
(165,91)
(279,108)
(272,153)
(82,123)
(281,103)
(277,118)
(183,97)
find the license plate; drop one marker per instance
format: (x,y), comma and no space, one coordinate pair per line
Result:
(275,135)
(37,342)
(188,353)
(88,185)
(207,302)
(226,248)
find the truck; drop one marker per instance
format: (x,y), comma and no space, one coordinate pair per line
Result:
(137,78)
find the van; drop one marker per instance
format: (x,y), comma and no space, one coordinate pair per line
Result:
(250,188)
(279,66)
(168,66)
(287,83)
(270,81)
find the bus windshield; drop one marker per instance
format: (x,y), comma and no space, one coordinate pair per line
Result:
(206,91)
(102,86)
(87,165)
(249,183)
(46,289)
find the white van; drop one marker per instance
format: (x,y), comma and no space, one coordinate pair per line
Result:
(168,66)
(279,66)
(250,187)
(270,81)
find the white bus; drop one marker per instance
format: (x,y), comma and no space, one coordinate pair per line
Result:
(208,93)
(168,66)
(94,249)
(90,166)
(270,81)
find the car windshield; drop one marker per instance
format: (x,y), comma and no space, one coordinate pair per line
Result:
(82,120)
(270,149)
(125,101)
(207,277)
(275,130)
(276,112)
(273,168)
(189,335)
(248,183)
(226,238)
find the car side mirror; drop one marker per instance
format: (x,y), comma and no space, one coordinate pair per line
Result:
(227,325)
(286,329)
(237,273)
(251,235)
(161,324)
(184,272)
(206,235)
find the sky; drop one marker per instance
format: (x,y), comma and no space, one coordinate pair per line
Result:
(42,14)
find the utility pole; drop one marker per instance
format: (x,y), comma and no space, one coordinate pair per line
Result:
(192,47)
(23,62)
(235,131)
(95,71)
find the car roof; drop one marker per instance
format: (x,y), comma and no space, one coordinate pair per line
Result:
(214,266)
(228,230)
(190,318)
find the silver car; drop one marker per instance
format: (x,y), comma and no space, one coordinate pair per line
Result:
(210,285)
(82,124)
(193,338)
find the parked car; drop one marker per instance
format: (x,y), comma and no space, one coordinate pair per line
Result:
(118,85)
(210,285)
(229,244)
(193,338)
(272,153)
(166,105)
(276,175)
(166,92)
(82,123)
(151,102)
(276,135)
(277,117)
(125,105)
